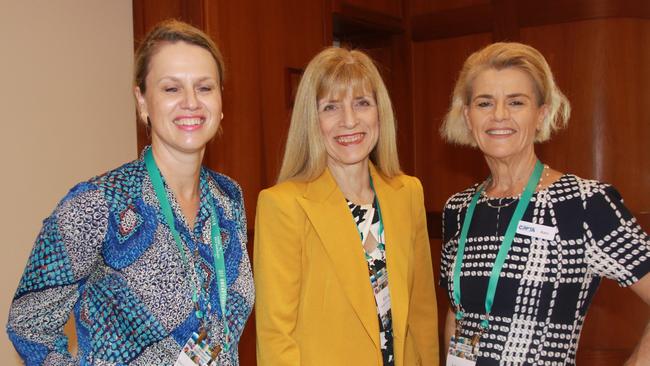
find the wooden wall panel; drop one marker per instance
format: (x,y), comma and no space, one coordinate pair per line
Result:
(443,169)
(392,8)
(237,152)
(283,48)
(401,93)
(420,7)
(605,74)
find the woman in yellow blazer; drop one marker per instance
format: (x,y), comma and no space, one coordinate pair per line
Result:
(342,263)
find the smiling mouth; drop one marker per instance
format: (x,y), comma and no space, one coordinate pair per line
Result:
(350,139)
(188,121)
(500,132)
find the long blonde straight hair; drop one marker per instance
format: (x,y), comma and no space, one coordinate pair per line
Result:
(331,73)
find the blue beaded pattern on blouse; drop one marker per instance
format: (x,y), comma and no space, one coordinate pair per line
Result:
(107,253)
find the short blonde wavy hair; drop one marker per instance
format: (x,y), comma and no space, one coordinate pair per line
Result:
(331,73)
(500,56)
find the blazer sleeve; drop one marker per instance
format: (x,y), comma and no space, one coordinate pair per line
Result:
(423,314)
(277,272)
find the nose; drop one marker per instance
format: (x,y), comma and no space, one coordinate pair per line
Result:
(501,112)
(189,99)
(349,117)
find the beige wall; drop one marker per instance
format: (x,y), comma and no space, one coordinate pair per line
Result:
(66,114)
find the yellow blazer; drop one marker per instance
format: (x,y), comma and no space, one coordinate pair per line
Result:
(315,304)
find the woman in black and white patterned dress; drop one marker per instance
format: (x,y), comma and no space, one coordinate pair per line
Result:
(558,234)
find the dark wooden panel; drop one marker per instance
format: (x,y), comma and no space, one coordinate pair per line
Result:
(614,324)
(443,169)
(283,48)
(605,75)
(401,92)
(533,13)
(504,16)
(353,21)
(420,7)
(453,22)
(391,8)
(505,22)
(434,225)
(237,152)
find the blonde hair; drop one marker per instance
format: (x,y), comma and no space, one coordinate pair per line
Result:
(500,56)
(331,73)
(172,31)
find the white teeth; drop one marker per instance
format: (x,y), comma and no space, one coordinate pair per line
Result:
(188,121)
(500,132)
(349,139)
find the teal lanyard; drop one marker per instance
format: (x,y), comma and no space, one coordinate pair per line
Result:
(533,180)
(217,245)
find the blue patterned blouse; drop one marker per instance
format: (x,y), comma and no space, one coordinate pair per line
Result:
(107,253)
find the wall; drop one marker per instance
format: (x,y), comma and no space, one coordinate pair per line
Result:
(67,114)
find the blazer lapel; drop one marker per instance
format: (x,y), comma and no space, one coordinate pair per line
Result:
(394,203)
(328,213)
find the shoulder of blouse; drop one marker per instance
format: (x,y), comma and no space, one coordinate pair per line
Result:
(227,185)
(460,199)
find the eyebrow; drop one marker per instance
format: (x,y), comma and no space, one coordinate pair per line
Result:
(173,78)
(513,95)
(331,100)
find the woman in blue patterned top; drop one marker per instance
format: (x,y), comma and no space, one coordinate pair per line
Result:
(151,256)
(525,250)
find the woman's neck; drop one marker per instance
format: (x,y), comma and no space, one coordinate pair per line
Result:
(181,173)
(353,181)
(508,177)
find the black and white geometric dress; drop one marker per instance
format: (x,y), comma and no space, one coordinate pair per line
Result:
(367,218)
(546,286)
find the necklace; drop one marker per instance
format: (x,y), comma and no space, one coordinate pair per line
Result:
(499,205)
(488,181)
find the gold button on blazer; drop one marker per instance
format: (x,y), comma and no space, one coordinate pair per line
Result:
(315,304)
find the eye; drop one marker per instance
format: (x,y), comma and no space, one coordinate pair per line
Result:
(363,103)
(205,88)
(329,107)
(483,104)
(170,89)
(517,102)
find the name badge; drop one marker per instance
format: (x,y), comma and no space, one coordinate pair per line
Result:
(536,230)
(461,352)
(197,352)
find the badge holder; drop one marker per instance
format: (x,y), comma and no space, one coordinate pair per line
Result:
(463,351)
(197,351)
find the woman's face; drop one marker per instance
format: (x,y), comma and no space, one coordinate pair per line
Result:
(349,127)
(183,97)
(503,114)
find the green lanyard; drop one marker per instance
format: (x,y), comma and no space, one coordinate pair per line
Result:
(381,220)
(533,180)
(217,245)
